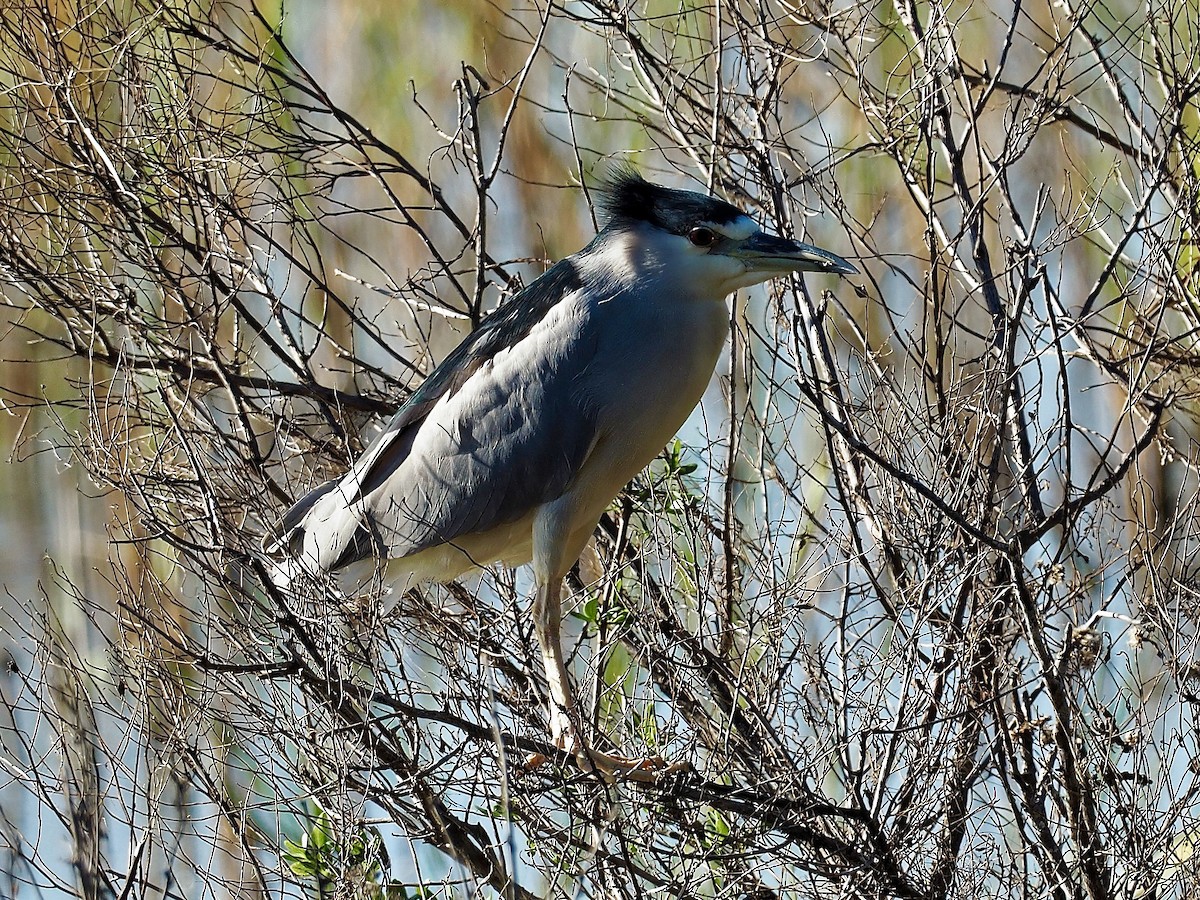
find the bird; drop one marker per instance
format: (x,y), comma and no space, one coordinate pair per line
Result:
(512,448)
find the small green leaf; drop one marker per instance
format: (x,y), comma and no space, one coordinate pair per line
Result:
(589,612)
(717,824)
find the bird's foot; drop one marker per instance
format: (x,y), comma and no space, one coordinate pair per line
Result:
(608,766)
(613,767)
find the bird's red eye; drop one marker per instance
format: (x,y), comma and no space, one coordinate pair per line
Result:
(702,237)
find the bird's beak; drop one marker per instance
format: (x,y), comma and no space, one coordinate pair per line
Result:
(762,252)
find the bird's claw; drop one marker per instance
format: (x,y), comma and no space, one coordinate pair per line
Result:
(625,768)
(611,767)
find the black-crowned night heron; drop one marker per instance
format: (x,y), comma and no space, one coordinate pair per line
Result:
(513,447)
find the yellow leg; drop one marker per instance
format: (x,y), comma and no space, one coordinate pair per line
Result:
(547,624)
(565,727)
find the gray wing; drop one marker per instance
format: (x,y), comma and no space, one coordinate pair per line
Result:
(498,428)
(511,438)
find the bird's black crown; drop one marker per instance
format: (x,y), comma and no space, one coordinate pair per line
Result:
(627,197)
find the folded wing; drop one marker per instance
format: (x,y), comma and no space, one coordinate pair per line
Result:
(500,427)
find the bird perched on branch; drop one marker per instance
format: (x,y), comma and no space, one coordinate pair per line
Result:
(513,447)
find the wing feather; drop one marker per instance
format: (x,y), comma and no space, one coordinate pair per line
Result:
(495,430)
(512,438)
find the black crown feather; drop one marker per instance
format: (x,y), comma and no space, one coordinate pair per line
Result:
(627,197)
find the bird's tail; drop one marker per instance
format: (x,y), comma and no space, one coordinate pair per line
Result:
(322,532)
(287,535)
(287,571)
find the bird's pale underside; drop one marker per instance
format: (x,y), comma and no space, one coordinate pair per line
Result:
(512,448)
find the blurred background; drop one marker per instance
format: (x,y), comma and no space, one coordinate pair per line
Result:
(913,595)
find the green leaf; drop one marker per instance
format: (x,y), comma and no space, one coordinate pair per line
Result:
(590,611)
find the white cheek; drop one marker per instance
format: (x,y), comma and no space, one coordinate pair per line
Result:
(739,229)
(715,277)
